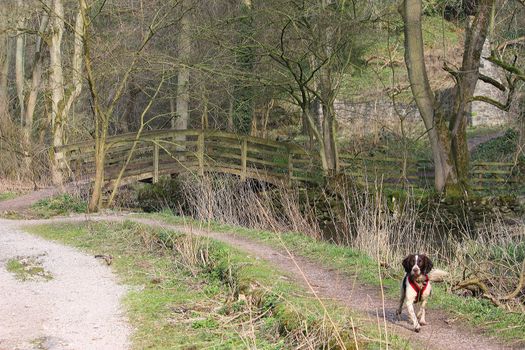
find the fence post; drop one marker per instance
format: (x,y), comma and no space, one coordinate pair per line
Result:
(200,152)
(244,156)
(155,161)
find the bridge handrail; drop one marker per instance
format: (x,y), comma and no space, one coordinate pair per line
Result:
(152,134)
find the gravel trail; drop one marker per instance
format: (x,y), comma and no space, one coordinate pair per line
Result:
(78,309)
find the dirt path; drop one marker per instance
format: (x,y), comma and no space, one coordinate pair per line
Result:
(442,333)
(27,200)
(77,309)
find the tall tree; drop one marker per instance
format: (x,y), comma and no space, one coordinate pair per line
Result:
(446,133)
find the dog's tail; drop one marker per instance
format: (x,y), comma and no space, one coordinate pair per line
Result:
(437,275)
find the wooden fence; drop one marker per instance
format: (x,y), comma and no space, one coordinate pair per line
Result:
(484,177)
(166,152)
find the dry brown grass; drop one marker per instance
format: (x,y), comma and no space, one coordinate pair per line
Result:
(484,261)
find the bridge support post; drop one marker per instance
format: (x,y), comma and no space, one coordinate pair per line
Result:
(244,157)
(156,161)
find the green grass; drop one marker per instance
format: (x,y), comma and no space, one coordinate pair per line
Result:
(59,205)
(226,303)
(28,269)
(7,195)
(477,312)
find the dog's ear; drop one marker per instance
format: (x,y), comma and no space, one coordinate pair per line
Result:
(408,263)
(426,264)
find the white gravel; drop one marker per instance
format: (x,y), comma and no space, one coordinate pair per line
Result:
(79,309)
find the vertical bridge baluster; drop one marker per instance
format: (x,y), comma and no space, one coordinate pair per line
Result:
(155,160)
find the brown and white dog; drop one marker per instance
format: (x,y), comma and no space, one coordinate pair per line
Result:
(416,288)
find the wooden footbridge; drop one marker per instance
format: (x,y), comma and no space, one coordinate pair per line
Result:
(169,152)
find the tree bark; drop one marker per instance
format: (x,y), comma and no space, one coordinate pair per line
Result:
(36,79)
(19,61)
(183,80)
(5,54)
(56,82)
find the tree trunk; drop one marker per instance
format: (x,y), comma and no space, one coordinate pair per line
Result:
(56,82)
(467,78)
(183,80)
(36,78)
(75,86)
(127,117)
(329,140)
(5,50)
(19,61)
(100,158)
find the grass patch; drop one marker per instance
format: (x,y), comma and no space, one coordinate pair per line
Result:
(28,268)
(58,205)
(477,312)
(194,293)
(4,196)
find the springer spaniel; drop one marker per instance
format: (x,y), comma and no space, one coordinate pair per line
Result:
(416,288)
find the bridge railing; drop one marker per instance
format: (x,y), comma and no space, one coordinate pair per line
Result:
(162,152)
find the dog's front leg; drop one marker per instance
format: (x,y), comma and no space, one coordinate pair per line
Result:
(412,314)
(402,299)
(401,302)
(421,313)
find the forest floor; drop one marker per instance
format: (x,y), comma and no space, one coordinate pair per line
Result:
(62,323)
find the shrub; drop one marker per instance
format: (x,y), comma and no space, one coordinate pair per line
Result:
(498,149)
(165,194)
(59,205)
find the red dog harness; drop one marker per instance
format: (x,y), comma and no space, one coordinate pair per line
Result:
(419,290)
